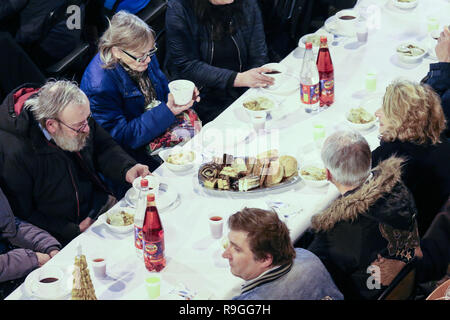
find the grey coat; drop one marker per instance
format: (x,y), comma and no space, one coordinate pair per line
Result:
(17,263)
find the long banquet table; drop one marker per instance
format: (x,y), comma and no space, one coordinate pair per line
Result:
(194,259)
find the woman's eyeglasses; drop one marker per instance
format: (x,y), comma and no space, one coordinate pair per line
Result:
(144,57)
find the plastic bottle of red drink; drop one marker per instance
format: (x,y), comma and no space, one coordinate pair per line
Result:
(153,237)
(139,216)
(326,74)
(309,81)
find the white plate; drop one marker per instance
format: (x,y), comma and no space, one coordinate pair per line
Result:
(165,198)
(332,27)
(405,5)
(31,283)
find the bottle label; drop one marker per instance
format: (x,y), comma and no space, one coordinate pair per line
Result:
(154,251)
(327,89)
(138,237)
(309,94)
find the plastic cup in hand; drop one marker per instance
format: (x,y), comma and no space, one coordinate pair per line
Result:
(371,81)
(153,286)
(99,267)
(216,225)
(182,91)
(318,134)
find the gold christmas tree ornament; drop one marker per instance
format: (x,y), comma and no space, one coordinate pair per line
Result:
(82,285)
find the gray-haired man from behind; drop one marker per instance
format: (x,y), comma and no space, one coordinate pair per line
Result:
(52,152)
(369,233)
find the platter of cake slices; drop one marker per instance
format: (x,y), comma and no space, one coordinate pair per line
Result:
(246,174)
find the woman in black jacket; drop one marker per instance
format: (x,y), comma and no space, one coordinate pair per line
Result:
(411,126)
(220,46)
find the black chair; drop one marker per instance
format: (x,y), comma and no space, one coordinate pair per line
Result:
(403,287)
(72,65)
(152,11)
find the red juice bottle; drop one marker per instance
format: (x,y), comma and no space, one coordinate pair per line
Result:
(153,237)
(326,74)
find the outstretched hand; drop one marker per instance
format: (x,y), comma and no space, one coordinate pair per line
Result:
(138,170)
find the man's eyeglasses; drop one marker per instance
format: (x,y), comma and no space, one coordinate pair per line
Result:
(144,57)
(81,128)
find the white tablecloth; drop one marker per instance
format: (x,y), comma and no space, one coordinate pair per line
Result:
(193,257)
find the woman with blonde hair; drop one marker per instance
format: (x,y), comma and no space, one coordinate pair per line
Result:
(412,126)
(128,92)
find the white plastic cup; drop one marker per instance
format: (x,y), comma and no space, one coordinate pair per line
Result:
(182,91)
(216,225)
(318,134)
(362,32)
(99,266)
(258,119)
(49,281)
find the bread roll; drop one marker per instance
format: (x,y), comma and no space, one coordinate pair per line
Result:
(289,165)
(275,173)
(270,154)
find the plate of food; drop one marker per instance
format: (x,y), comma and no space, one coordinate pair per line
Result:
(314,175)
(314,38)
(119,220)
(410,52)
(255,103)
(248,175)
(178,159)
(360,119)
(405,4)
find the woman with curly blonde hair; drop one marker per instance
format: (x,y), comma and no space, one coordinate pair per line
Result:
(412,126)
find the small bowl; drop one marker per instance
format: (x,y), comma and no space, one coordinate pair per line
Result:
(410,59)
(360,126)
(119,229)
(309,182)
(405,5)
(255,113)
(164,154)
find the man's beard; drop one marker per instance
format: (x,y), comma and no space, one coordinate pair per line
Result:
(71,144)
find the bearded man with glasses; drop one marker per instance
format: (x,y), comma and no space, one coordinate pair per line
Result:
(55,158)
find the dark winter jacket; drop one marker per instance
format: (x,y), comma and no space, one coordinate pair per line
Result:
(40,179)
(118,105)
(426,173)
(190,48)
(439,79)
(17,263)
(377,218)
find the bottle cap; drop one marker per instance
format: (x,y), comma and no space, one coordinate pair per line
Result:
(144,183)
(308,45)
(323,39)
(151,197)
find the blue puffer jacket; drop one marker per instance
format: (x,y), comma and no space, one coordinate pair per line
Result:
(118,105)
(190,49)
(439,79)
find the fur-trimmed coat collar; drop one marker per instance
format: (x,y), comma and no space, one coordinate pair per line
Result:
(348,207)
